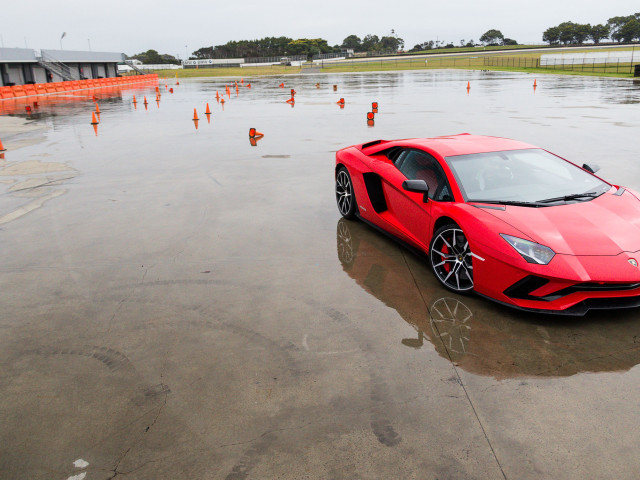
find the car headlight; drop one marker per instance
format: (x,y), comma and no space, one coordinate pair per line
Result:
(532,252)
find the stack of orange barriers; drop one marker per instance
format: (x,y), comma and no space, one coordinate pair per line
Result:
(60,87)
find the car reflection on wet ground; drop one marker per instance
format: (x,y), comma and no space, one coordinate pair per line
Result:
(182,302)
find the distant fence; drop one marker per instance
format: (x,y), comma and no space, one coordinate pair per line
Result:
(597,64)
(276,59)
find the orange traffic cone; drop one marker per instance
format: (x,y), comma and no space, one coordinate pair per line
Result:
(222,100)
(535,84)
(2,149)
(253,133)
(93,119)
(145,100)
(340,102)
(97,109)
(468,85)
(242,81)
(171,90)
(195,115)
(248,85)
(370,115)
(217,96)
(134,99)
(207,111)
(281,85)
(177,83)
(291,100)
(293,92)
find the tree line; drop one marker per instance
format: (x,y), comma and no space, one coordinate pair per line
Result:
(279,46)
(618,29)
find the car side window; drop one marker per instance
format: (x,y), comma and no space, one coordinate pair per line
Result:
(418,165)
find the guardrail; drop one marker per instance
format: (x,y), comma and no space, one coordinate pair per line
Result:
(54,88)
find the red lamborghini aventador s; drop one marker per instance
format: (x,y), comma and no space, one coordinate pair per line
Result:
(504,219)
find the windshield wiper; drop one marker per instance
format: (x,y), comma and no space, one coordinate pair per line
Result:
(509,202)
(574,196)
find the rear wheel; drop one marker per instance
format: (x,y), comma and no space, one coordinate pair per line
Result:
(344,194)
(451,258)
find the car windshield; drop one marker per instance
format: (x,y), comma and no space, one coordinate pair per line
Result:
(526,176)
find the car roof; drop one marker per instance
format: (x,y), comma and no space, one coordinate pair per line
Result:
(465,143)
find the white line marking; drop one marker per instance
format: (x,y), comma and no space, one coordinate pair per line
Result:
(80,476)
(80,463)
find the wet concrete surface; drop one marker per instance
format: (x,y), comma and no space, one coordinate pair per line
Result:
(177,303)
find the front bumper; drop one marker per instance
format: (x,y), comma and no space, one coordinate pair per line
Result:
(569,285)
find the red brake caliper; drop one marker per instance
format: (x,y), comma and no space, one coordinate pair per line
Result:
(446,266)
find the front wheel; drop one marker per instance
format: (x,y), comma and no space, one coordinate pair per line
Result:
(451,258)
(344,194)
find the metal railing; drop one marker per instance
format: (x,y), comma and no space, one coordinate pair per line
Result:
(55,66)
(276,59)
(594,65)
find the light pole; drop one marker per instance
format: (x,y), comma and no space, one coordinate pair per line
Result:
(64,34)
(186,56)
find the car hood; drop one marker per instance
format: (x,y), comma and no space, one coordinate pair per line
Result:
(606,225)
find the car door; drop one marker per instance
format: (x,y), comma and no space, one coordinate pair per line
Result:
(409,209)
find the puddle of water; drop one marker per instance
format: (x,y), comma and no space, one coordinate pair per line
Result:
(149,185)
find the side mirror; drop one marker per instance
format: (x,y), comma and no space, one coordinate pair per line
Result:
(417,186)
(591,167)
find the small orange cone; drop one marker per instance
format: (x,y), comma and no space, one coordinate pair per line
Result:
(171,90)
(177,83)
(242,81)
(340,102)
(93,119)
(370,115)
(248,85)
(97,109)
(535,84)
(222,100)
(134,99)
(281,85)
(291,100)
(145,100)
(253,133)
(157,89)
(2,149)
(293,92)
(195,115)
(217,96)
(468,85)
(207,111)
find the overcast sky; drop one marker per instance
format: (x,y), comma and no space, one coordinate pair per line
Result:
(135,26)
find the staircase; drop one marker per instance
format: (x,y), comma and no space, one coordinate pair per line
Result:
(57,67)
(133,67)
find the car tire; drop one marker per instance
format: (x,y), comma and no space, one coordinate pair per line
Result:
(345,196)
(451,258)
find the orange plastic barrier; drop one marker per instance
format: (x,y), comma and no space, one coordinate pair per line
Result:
(61,87)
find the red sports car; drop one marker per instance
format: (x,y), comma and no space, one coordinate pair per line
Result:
(507,220)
